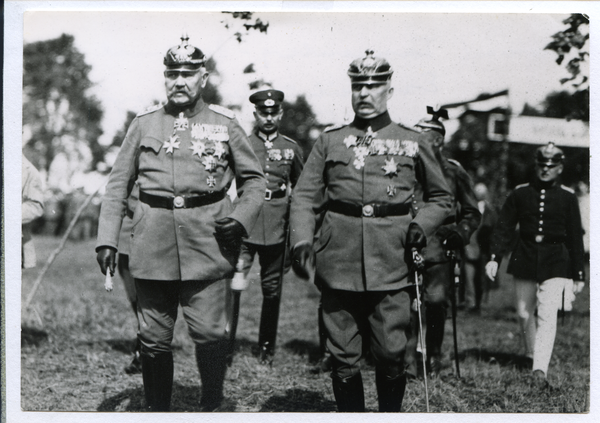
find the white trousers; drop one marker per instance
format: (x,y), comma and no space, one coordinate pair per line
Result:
(539,334)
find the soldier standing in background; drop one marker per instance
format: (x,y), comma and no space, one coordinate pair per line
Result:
(549,254)
(281,161)
(363,176)
(452,236)
(186,234)
(32,207)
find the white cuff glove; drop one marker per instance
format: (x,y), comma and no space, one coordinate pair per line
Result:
(491,269)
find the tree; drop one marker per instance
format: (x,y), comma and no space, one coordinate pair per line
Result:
(297,122)
(572,45)
(60,118)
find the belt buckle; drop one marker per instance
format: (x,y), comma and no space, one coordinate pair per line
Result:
(268,194)
(367,210)
(539,238)
(178,202)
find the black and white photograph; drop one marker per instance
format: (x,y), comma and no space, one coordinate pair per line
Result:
(248,208)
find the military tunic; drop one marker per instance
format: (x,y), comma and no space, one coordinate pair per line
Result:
(550,243)
(192,153)
(362,167)
(281,161)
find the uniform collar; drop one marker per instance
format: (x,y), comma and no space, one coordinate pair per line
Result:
(266,137)
(539,185)
(188,111)
(375,123)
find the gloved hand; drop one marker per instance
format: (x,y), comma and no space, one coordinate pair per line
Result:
(415,237)
(491,269)
(302,259)
(106,259)
(578,287)
(229,231)
(453,241)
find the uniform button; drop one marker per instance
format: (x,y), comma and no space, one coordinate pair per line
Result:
(543,191)
(416,208)
(542,196)
(541,222)
(541,209)
(266,173)
(540,229)
(542,204)
(267,166)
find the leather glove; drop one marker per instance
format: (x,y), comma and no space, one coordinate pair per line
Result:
(578,287)
(453,241)
(491,269)
(302,259)
(229,231)
(106,259)
(415,237)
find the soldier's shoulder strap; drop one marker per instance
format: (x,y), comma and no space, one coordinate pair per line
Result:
(222,111)
(408,128)
(522,186)
(152,109)
(289,139)
(454,162)
(568,189)
(334,127)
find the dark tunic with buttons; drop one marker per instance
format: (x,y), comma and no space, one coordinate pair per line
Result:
(281,161)
(550,243)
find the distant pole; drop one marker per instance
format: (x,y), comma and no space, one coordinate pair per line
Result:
(503,188)
(58,249)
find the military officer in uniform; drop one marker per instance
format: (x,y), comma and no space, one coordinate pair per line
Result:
(186,234)
(548,255)
(281,160)
(451,237)
(363,176)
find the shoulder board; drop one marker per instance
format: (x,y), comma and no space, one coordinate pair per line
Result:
(334,127)
(151,109)
(454,162)
(408,128)
(567,189)
(289,139)
(522,186)
(222,111)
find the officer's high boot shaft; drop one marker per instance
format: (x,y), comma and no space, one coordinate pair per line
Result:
(267,335)
(157,373)
(436,319)
(349,393)
(390,392)
(212,365)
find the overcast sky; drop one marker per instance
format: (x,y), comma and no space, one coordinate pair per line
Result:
(437,58)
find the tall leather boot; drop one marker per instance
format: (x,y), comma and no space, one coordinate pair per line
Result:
(349,394)
(436,319)
(267,334)
(157,374)
(390,392)
(212,364)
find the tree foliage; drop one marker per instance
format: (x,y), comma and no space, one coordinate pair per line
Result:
(572,47)
(297,122)
(246,17)
(59,114)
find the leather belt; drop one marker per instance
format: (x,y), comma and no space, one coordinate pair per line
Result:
(368,210)
(274,194)
(546,239)
(180,201)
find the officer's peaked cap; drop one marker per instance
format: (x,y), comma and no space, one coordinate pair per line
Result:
(370,69)
(184,54)
(265,99)
(435,125)
(549,155)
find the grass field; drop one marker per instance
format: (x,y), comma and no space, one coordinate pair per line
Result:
(76,339)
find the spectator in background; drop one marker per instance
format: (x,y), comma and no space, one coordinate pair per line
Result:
(32,207)
(477,252)
(548,255)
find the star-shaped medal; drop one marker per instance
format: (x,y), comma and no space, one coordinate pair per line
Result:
(181,123)
(283,187)
(171,144)
(350,141)
(210,163)
(198,147)
(268,144)
(369,136)
(219,150)
(390,168)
